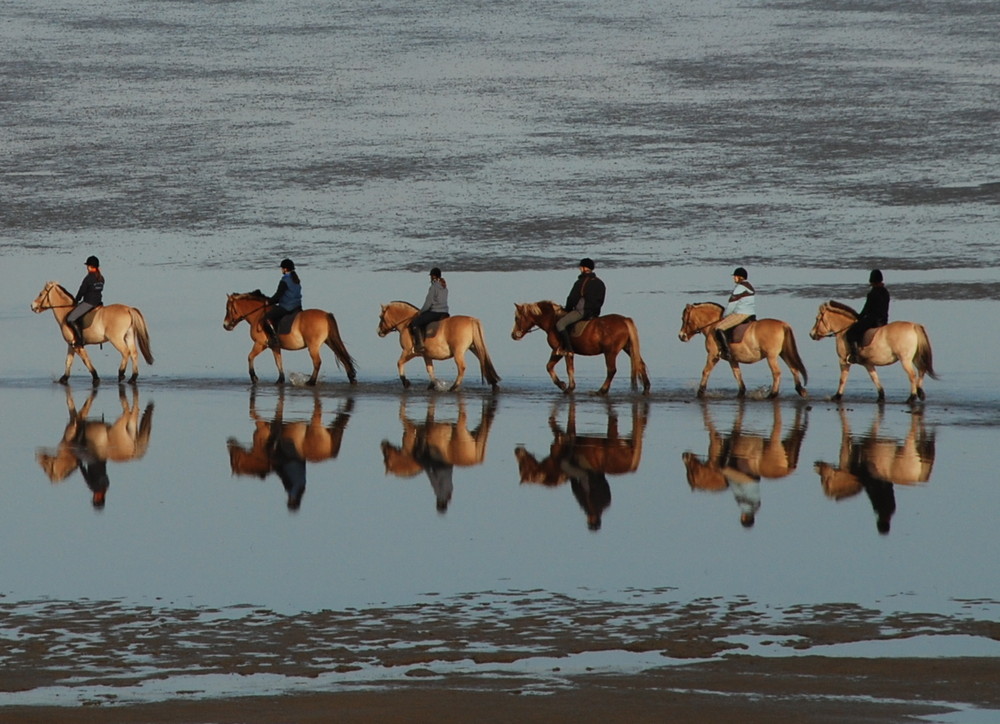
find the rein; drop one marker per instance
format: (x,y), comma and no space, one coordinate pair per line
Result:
(244,316)
(48,293)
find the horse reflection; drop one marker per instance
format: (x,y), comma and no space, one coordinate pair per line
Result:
(88,444)
(435,447)
(285,446)
(738,461)
(586,460)
(875,464)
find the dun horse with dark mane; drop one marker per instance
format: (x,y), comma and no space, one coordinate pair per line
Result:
(310,329)
(607,335)
(448,338)
(124,327)
(763,339)
(903,342)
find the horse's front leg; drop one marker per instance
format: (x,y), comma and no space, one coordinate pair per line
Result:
(611,362)
(71,352)
(403,359)
(570,372)
(710,363)
(429,365)
(845,370)
(550,367)
(279,363)
(254,351)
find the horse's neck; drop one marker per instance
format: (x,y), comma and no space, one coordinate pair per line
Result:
(401,313)
(707,314)
(842,320)
(61,303)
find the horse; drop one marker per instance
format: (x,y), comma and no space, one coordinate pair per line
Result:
(905,342)
(764,339)
(451,337)
(875,463)
(88,444)
(311,328)
(739,460)
(124,327)
(284,446)
(586,460)
(435,447)
(607,335)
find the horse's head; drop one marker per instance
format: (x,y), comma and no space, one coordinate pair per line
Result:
(546,472)
(57,465)
(525,319)
(384,326)
(241,306)
(703,475)
(399,462)
(832,319)
(393,315)
(697,317)
(43,301)
(837,484)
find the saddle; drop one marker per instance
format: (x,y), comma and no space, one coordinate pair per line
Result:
(578,327)
(284,325)
(867,337)
(734,335)
(431,329)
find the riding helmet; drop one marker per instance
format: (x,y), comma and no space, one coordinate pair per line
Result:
(288,264)
(587,263)
(436,272)
(875,277)
(92,261)
(741,273)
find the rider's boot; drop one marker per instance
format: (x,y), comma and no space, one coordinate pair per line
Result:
(565,343)
(720,337)
(272,336)
(418,340)
(77,334)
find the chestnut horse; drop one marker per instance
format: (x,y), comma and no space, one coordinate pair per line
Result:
(124,327)
(312,328)
(903,342)
(586,460)
(764,339)
(607,335)
(449,338)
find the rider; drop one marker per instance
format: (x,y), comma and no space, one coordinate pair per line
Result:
(874,314)
(435,308)
(741,306)
(89,297)
(286,300)
(584,302)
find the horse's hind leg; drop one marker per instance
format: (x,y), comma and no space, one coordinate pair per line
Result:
(317,361)
(611,362)
(460,364)
(772,362)
(915,382)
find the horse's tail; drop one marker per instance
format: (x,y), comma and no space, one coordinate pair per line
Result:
(487,371)
(339,349)
(635,355)
(924,358)
(790,353)
(141,334)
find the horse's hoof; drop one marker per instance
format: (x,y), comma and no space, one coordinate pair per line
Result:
(911,399)
(772,395)
(406,383)
(353,380)
(881,395)
(494,388)
(920,393)
(802,391)
(311,383)
(700,393)
(63,380)
(836,398)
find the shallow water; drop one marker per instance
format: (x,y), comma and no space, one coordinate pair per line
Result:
(192,145)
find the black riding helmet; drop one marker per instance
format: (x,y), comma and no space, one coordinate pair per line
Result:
(741,273)
(93,261)
(288,264)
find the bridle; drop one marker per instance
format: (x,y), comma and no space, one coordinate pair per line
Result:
(241,317)
(48,293)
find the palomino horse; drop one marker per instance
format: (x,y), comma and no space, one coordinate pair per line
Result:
(312,328)
(124,327)
(739,460)
(450,337)
(435,447)
(586,460)
(88,444)
(607,335)
(905,342)
(875,463)
(764,339)
(284,446)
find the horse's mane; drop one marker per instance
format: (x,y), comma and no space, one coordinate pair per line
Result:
(400,301)
(842,307)
(256,295)
(62,289)
(710,304)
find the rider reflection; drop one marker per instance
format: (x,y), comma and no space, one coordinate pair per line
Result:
(435,447)
(876,464)
(285,446)
(739,461)
(87,444)
(586,460)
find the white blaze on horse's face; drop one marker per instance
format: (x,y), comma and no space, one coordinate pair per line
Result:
(230,322)
(521,325)
(383,326)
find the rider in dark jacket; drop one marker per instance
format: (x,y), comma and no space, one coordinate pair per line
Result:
(287,299)
(584,302)
(91,295)
(874,314)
